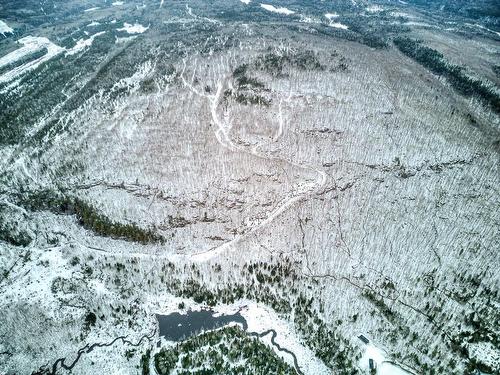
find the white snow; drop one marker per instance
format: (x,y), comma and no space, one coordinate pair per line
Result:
(83,44)
(485,352)
(125,39)
(30,44)
(483,28)
(117,3)
(384,367)
(133,29)
(307,19)
(93,23)
(91,9)
(387,368)
(338,25)
(5,29)
(331,15)
(245,1)
(374,9)
(420,24)
(281,10)
(401,14)
(260,318)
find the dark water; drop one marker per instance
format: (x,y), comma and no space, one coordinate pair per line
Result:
(176,327)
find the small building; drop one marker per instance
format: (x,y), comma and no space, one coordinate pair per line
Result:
(364,339)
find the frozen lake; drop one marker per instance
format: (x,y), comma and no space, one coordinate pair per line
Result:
(177,327)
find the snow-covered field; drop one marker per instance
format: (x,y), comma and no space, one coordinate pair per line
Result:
(91,9)
(338,25)
(279,10)
(379,357)
(5,29)
(133,28)
(30,45)
(82,44)
(259,318)
(320,182)
(331,16)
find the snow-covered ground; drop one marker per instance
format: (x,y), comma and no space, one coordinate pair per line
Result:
(486,353)
(245,1)
(374,9)
(83,44)
(330,16)
(259,318)
(30,44)
(384,367)
(133,29)
(5,29)
(280,10)
(338,25)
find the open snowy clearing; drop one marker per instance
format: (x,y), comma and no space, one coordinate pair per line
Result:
(384,367)
(5,29)
(82,44)
(259,318)
(281,10)
(338,25)
(30,45)
(133,29)
(331,15)
(91,9)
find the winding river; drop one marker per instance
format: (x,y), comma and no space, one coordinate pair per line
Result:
(179,327)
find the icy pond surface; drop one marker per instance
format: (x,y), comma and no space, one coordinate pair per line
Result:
(177,327)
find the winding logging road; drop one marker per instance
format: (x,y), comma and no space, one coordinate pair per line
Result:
(223,137)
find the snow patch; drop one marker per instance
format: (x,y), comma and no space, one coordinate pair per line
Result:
(125,39)
(384,367)
(281,10)
(374,9)
(117,3)
(485,352)
(93,23)
(483,28)
(30,44)
(5,29)
(421,24)
(259,318)
(91,9)
(133,29)
(245,1)
(338,25)
(331,15)
(83,44)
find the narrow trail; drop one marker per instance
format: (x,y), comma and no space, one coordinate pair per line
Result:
(222,134)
